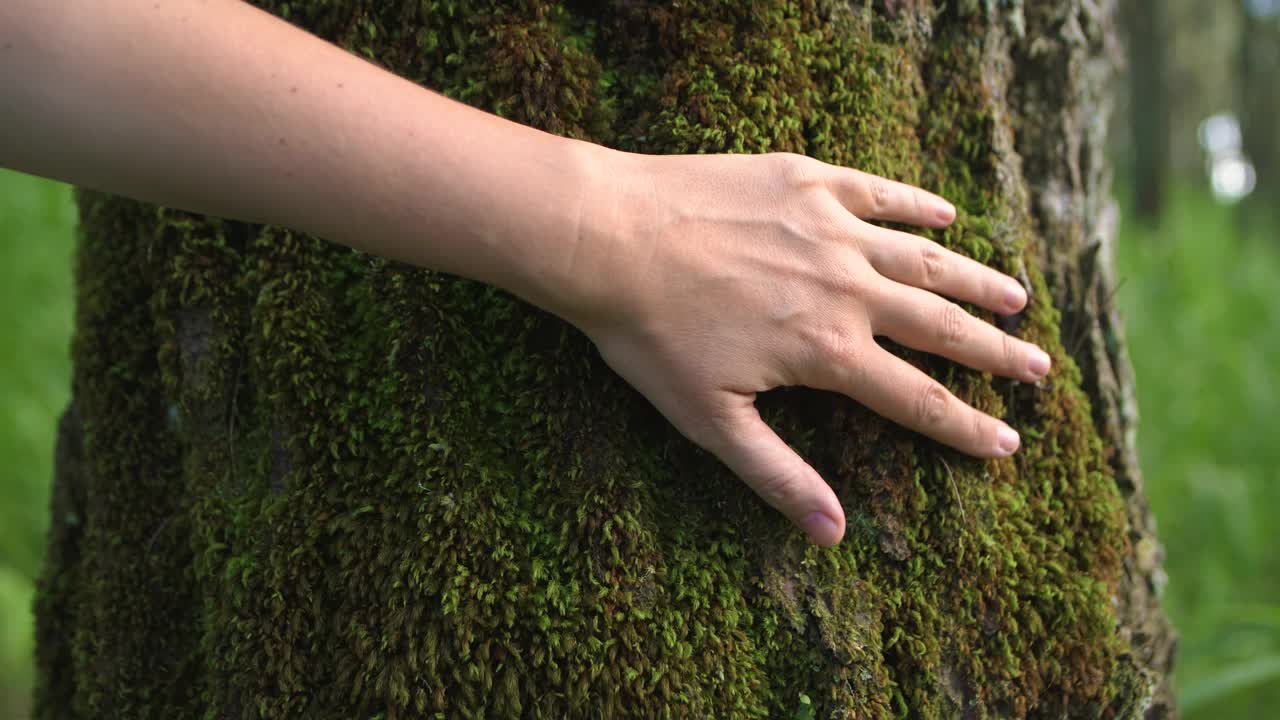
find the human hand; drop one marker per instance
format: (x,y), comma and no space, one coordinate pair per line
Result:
(724,276)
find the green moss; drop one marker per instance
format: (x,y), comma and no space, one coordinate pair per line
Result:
(128,626)
(326,485)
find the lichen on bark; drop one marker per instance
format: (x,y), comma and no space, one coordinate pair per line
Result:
(312,483)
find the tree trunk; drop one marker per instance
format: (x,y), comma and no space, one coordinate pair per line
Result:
(299,481)
(1260,110)
(1147,39)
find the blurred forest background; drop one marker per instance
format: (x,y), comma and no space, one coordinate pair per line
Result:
(1197,152)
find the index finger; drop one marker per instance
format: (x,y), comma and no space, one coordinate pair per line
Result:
(872,197)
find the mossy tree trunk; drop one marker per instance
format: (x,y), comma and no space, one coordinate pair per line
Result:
(298,481)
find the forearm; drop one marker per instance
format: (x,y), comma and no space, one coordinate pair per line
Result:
(220,108)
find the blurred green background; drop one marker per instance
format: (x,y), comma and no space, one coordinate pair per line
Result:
(1196,137)
(37,222)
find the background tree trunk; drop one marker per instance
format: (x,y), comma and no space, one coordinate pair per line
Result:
(298,481)
(1260,109)
(1147,39)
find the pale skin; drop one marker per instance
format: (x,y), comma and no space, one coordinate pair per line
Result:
(702,279)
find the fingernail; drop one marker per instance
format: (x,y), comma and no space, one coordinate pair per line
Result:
(1038,363)
(1015,296)
(1007,439)
(821,529)
(946,211)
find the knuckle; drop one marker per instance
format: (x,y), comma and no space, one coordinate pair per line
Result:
(931,263)
(1009,352)
(978,424)
(839,355)
(881,195)
(931,405)
(799,171)
(836,346)
(954,325)
(839,274)
(781,489)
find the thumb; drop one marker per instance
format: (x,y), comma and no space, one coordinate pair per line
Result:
(770,467)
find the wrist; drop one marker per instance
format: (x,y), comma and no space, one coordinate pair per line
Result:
(583,271)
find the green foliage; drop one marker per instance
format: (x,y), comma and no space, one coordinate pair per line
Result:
(16,594)
(804,711)
(35,291)
(1199,298)
(35,294)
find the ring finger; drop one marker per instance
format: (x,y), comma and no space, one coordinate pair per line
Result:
(892,387)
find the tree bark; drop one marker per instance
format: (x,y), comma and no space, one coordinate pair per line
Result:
(299,481)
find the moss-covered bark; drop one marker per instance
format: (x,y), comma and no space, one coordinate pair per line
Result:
(298,481)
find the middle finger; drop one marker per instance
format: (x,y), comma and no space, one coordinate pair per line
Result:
(924,263)
(919,319)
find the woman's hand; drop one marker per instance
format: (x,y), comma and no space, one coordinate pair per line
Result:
(729,275)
